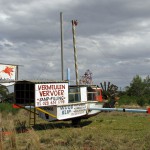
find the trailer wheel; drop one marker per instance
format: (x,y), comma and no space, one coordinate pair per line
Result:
(76,122)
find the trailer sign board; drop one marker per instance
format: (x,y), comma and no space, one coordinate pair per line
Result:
(51,94)
(71,111)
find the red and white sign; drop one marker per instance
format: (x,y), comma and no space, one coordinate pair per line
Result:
(7,73)
(51,94)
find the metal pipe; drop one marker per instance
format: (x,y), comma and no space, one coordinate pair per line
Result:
(121,110)
(27,107)
(44,111)
(68,75)
(62,46)
(17,73)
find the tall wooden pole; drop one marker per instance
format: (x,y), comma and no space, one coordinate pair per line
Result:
(62,57)
(74,23)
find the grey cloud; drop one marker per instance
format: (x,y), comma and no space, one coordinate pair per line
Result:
(112,38)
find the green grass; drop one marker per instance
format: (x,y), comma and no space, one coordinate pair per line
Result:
(106,131)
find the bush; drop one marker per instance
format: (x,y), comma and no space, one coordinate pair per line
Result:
(148,101)
(140,101)
(126,100)
(7,108)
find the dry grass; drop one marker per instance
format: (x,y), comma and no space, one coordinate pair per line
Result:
(106,131)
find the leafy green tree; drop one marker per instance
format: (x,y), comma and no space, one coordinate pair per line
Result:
(147,86)
(9,98)
(136,87)
(3,92)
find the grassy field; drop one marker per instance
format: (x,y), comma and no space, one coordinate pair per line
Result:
(106,131)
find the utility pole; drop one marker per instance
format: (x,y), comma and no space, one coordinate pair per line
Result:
(74,24)
(62,37)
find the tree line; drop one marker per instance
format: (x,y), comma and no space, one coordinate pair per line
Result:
(137,92)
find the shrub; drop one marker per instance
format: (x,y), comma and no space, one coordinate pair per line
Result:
(7,108)
(126,100)
(140,101)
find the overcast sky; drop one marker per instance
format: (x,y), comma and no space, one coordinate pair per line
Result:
(112,37)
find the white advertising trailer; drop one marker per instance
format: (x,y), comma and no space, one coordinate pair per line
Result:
(57,100)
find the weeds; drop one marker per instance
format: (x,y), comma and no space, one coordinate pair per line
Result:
(105,131)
